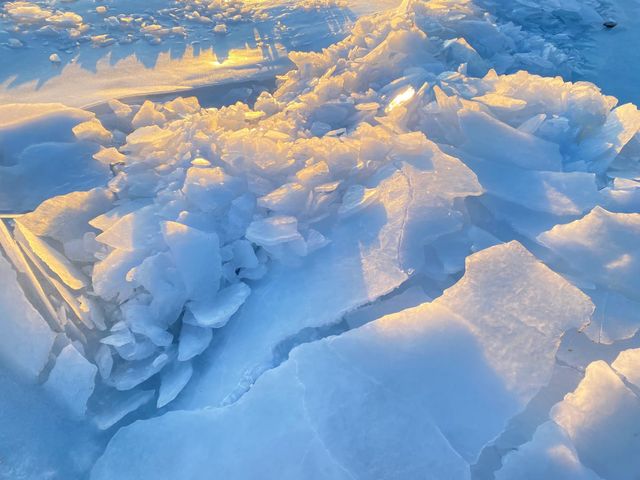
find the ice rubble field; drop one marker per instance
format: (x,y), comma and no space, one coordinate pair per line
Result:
(417,256)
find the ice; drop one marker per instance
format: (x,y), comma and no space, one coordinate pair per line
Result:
(620,127)
(550,455)
(483,133)
(558,193)
(197,257)
(616,317)
(71,382)
(109,275)
(109,156)
(132,374)
(274,230)
(93,131)
(626,364)
(58,263)
(122,405)
(104,361)
(211,189)
(216,312)
(315,398)
(173,380)
(365,259)
(66,217)
(26,339)
(601,417)
(133,230)
(602,246)
(193,340)
(148,116)
(349,235)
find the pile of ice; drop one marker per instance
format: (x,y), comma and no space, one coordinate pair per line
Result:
(402,156)
(76,23)
(43,20)
(204,200)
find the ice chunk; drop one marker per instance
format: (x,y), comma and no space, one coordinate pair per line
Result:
(104,361)
(271,231)
(109,279)
(118,405)
(193,340)
(549,455)
(109,218)
(495,141)
(93,131)
(109,156)
(558,193)
(141,320)
(216,312)
(66,217)
(122,110)
(244,255)
(26,339)
(71,382)
(602,418)
(211,189)
(602,246)
(356,198)
(616,317)
(132,374)
(148,116)
(135,230)
(174,378)
(628,365)
(602,148)
(288,199)
(57,262)
(196,255)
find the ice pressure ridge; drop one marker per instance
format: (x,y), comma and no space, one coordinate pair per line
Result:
(407,164)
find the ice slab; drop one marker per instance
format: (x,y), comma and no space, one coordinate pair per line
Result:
(549,455)
(496,141)
(71,382)
(603,247)
(602,418)
(66,217)
(26,339)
